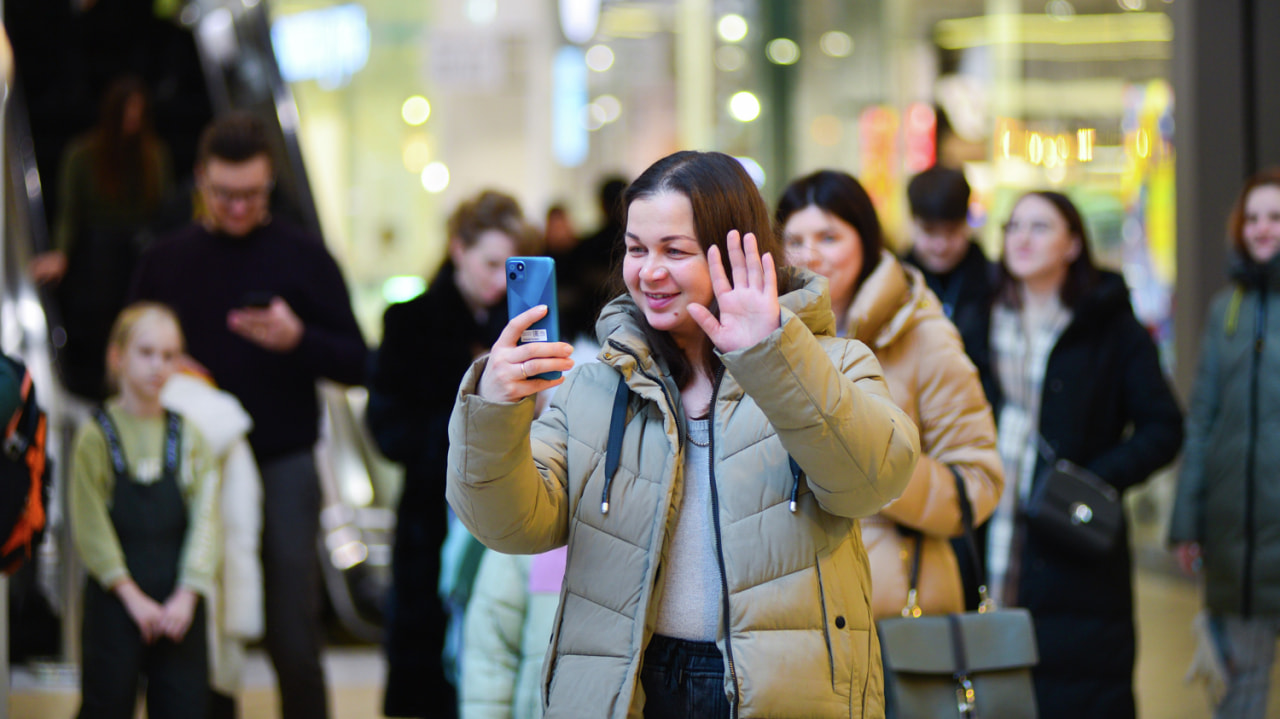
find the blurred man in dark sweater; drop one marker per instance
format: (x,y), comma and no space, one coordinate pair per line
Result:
(266,312)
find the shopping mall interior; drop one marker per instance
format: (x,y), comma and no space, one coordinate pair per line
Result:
(1147,113)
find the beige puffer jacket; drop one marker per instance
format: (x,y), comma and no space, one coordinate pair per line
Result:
(800,640)
(931,378)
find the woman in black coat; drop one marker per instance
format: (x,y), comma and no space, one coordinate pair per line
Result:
(1065,359)
(427,345)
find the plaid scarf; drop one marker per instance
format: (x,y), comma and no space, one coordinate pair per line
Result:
(1020,346)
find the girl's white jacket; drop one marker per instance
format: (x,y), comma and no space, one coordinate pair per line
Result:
(235,612)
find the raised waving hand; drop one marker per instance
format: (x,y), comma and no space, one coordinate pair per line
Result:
(749,309)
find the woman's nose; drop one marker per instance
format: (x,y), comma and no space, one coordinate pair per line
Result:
(802,255)
(653,270)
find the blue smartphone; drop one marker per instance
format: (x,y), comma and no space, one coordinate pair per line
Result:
(531,281)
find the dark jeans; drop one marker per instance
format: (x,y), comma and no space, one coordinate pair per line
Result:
(683,679)
(291,583)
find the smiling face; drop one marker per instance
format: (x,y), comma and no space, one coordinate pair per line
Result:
(820,241)
(1261,229)
(1038,246)
(665,268)
(481,268)
(237,194)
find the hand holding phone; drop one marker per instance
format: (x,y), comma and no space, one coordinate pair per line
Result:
(531,281)
(528,356)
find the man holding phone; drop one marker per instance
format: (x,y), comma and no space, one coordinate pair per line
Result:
(266,312)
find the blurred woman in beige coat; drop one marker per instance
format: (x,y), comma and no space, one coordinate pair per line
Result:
(829,225)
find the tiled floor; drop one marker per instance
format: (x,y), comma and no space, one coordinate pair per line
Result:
(1166,604)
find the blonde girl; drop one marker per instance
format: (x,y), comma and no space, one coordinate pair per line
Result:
(144,519)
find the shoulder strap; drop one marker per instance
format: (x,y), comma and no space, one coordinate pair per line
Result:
(1233,310)
(172,442)
(114,447)
(985,603)
(613,451)
(23,425)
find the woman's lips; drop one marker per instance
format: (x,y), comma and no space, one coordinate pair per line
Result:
(659,300)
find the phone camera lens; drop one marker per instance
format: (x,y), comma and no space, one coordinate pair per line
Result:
(512,275)
(520,266)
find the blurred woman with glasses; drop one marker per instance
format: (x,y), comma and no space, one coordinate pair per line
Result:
(1073,375)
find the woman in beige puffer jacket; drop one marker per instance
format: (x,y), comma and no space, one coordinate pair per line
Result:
(830,226)
(791,632)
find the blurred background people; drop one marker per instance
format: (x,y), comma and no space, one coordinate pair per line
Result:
(829,225)
(573,296)
(593,263)
(144,517)
(427,345)
(942,248)
(1227,512)
(267,314)
(1071,375)
(509,623)
(235,608)
(113,181)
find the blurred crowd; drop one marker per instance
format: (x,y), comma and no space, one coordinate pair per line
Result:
(752,397)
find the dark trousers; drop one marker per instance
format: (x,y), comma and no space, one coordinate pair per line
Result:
(177,676)
(291,583)
(683,679)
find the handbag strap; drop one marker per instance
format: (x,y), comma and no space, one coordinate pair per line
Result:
(965,695)
(985,602)
(913,610)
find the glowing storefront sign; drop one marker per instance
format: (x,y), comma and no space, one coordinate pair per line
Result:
(569,140)
(328,45)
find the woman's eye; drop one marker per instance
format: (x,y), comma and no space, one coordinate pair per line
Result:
(829,238)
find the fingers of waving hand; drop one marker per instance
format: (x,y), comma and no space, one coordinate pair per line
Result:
(510,373)
(749,308)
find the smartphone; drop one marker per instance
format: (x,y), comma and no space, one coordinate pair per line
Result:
(257,299)
(531,281)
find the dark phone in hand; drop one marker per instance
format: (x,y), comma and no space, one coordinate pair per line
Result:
(531,281)
(257,299)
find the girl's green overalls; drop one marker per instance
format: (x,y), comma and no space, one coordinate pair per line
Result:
(151,524)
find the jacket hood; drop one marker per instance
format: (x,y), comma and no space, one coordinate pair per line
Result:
(892,300)
(1243,270)
(216,413)
(803,293)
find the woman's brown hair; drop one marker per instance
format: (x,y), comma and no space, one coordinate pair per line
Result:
(126,163)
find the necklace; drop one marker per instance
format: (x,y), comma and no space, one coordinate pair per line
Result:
(697,443)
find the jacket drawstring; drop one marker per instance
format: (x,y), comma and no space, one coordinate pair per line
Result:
(613,452)
(796,473)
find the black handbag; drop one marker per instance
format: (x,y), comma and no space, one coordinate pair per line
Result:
(1073,508)
(974,665)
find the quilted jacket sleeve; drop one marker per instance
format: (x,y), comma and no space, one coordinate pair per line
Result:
(957,432)
(832,417)
(507,500)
